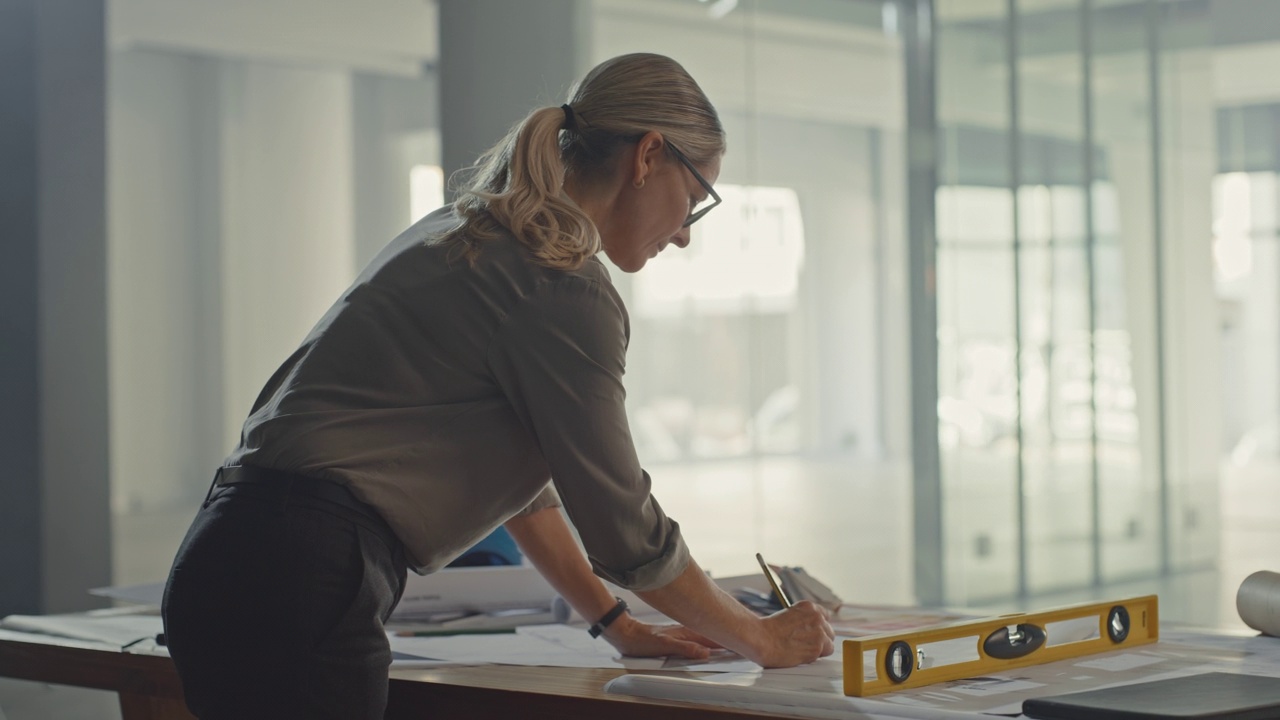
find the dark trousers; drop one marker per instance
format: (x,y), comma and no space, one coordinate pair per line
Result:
(276,601)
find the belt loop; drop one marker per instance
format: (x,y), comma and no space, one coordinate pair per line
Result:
(217,474)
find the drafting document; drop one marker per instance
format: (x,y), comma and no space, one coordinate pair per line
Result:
(547,645)
(863,620)
(774,700)
(149,594)
(112,627)
(22,636)
(461,622)
(819,686)
(1261,653)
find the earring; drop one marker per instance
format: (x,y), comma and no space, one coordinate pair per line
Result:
(639,183)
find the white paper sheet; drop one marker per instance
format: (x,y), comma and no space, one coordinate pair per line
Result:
(112,627)
(769,699)
(147,595)
(520,648)
(545,645)
(23,636)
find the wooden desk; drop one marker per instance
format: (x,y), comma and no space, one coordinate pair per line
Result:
(149,688)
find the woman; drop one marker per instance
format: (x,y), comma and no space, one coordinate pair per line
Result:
(469,378)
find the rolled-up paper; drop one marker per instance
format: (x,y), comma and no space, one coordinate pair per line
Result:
(1258,602)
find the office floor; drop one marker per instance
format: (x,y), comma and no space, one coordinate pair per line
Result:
(729,512)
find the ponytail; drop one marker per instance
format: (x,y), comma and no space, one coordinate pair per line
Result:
(518,188)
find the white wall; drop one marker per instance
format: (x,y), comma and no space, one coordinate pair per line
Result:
(1238,78)
(164,276)
(1193,350)
(287,216)
(233,227)
(387,36)
(396,125)
(793,67)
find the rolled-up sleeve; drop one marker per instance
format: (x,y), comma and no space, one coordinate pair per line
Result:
(559,358)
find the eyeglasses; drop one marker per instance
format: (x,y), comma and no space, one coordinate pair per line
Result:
(712,200)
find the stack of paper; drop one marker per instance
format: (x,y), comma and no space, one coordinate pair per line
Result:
(800,585)
(119,628)
(472,598)
(754,590)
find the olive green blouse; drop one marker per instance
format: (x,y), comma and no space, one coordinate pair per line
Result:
(446,393)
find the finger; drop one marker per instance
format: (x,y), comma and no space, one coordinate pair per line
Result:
(683,633)
(703,641)
(690,650)
(813,607)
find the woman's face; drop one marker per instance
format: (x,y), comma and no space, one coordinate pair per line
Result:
(649,218)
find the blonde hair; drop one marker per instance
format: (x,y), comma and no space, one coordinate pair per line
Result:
(517,187)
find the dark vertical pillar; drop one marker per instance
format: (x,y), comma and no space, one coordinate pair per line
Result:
(19,365)
(922,182)
(1154,15)
(498,61)
(1091,169)
(1015,183)
(55,539)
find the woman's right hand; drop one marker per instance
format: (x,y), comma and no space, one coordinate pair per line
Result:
(795,636)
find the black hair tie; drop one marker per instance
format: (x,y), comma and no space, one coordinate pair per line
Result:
(568,117)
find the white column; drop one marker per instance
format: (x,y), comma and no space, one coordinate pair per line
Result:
(287,217)
(1192,335)
(165,291)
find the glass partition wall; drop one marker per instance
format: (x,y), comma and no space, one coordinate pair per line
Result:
(1246,276)
(764,375)
(1078,365)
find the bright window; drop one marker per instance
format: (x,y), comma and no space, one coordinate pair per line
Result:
(745,258)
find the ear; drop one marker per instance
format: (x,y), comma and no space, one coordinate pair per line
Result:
(648,152)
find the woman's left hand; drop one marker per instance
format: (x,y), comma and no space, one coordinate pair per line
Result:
(639,639)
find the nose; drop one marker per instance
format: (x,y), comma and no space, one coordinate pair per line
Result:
(681,239)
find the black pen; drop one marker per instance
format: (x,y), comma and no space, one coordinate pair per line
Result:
(768,575)
(441,632)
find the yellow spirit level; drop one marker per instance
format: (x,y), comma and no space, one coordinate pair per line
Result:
(897,661)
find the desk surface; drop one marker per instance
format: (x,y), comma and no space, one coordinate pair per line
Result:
(149,688)
(508,691)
